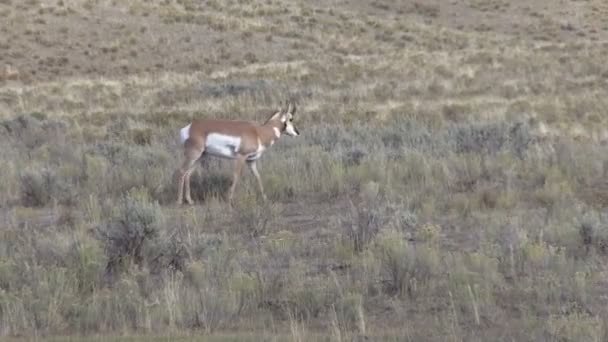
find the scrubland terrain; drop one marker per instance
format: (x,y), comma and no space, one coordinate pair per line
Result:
(449,183)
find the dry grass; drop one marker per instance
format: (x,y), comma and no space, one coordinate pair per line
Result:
(449,182)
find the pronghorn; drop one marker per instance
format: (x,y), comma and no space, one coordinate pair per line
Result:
(242,141)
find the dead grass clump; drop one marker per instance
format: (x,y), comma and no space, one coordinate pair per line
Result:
(250,58)
(456,112)
(490,138)
(384,91)
(426,10)
(142,136)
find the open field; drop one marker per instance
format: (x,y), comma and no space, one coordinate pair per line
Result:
(449,183)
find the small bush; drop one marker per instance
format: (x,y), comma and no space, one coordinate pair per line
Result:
(129,230)
(40,188)
(593,234)
(254,218)
(407,267)
(367,217)
(169,254)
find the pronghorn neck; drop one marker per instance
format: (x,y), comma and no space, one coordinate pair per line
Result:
(270,132)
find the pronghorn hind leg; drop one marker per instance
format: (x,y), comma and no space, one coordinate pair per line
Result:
(238,167)
(191,154)
(253,167)
(188,175)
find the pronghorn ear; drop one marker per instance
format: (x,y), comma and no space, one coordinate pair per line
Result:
(281,108)
(279,113)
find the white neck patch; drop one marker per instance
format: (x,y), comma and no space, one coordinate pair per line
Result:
(277,133)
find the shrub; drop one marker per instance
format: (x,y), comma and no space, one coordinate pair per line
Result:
(367,217)
(593,233)
(40,188)
(407,267)
(134,223)
(491,138)
(254,218)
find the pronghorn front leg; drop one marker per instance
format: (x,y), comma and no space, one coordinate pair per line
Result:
(187,186)
(184,182)
(182,171)
(253,167)
(238,167)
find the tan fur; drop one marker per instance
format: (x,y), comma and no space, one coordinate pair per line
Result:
(251,136)
(247,131)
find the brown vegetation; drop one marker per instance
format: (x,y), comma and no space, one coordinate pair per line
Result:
(449,182)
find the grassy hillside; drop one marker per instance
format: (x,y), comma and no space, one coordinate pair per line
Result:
(448,183)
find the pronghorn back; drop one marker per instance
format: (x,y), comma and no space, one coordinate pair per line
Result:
(222,133)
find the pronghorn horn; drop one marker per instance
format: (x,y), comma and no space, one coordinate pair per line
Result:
(293,110)
(289,108)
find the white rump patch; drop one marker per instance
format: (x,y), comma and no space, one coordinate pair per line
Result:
(184,134)
(222,145)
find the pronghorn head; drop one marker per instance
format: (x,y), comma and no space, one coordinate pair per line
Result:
(286,119)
